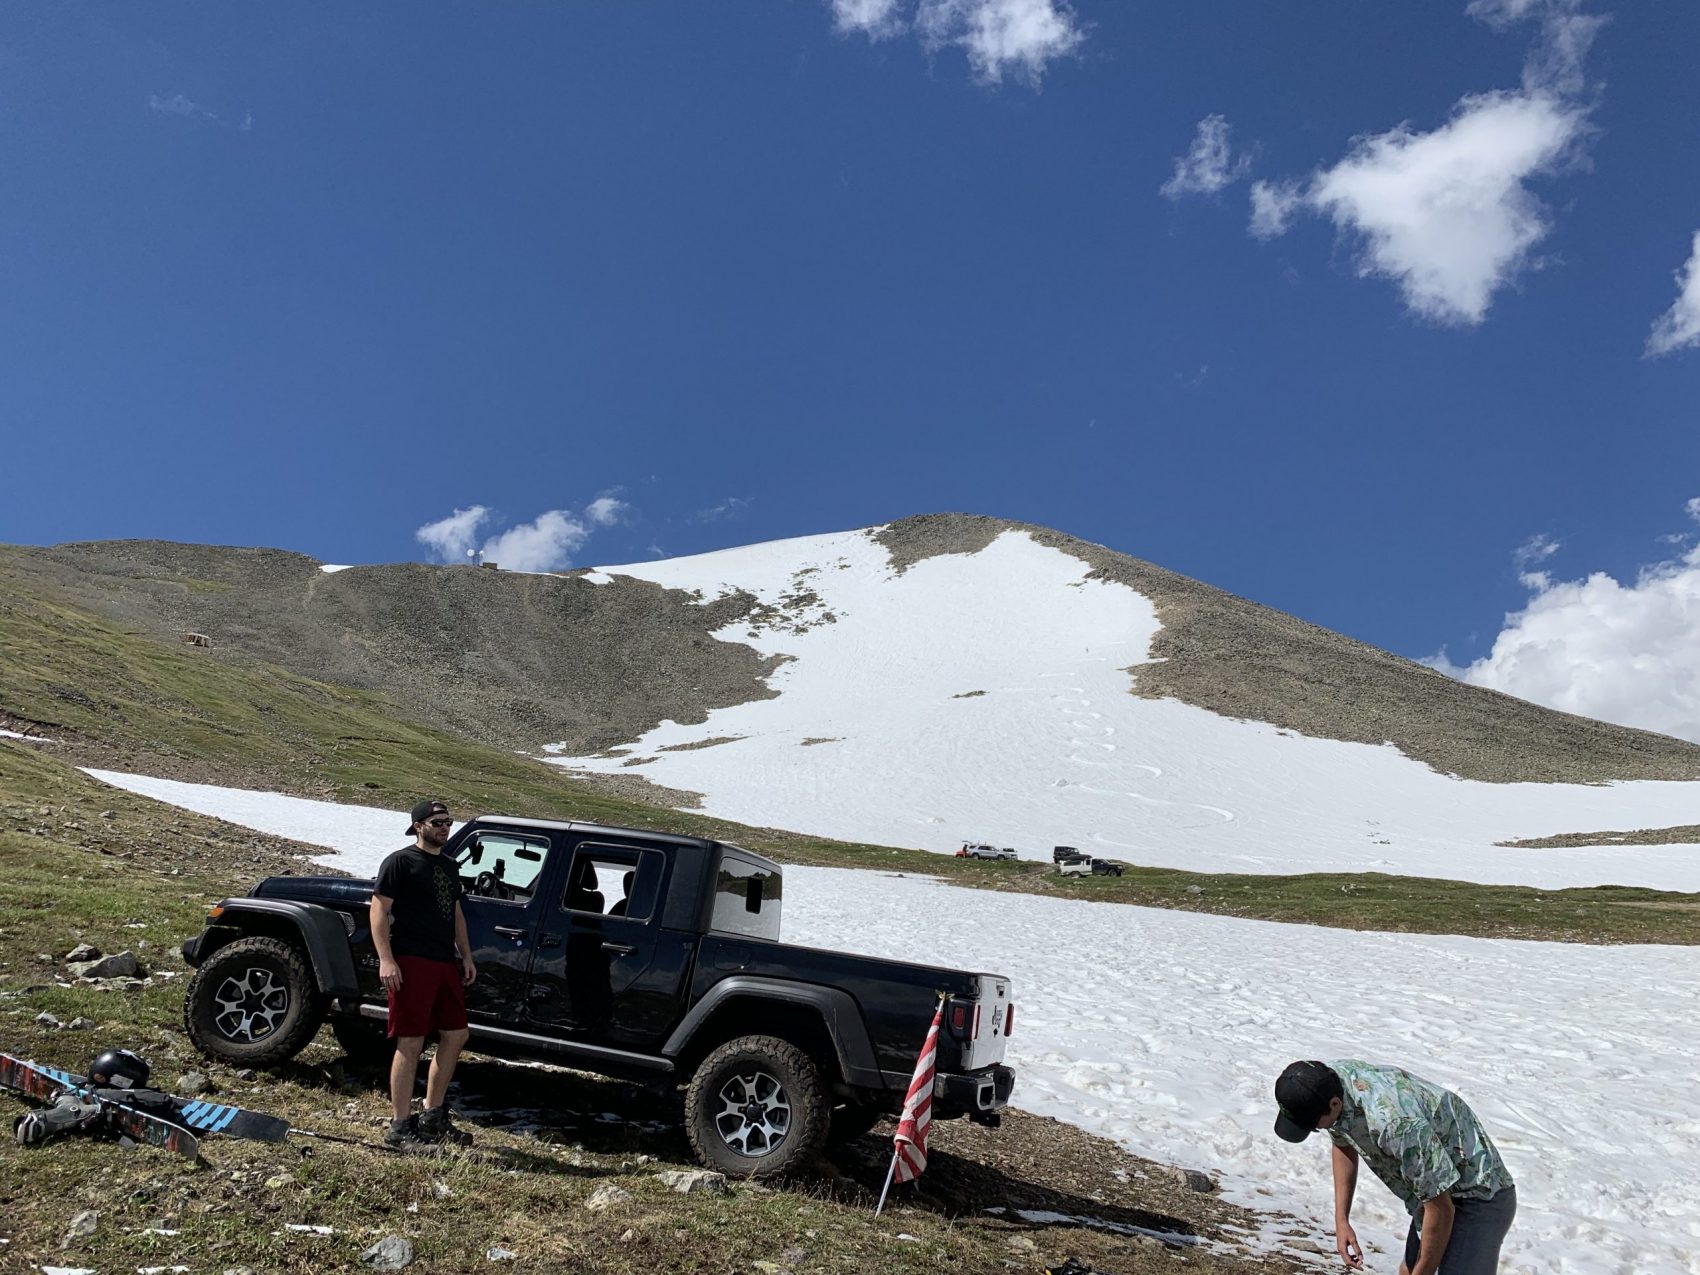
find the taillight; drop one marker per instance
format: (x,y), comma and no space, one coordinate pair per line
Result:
(959,1019)
(1009,1020)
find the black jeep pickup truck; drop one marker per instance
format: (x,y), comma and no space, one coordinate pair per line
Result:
(638,955)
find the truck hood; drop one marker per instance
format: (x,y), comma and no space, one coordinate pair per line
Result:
(336,892)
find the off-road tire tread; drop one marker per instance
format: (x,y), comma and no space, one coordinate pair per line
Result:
(299,1026)
(811,1109)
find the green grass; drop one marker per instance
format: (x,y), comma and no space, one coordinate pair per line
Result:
(133,702)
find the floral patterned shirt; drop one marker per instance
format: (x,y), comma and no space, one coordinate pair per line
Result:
(1421,1140)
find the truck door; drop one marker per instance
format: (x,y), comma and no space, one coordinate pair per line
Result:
(503,874)
(605,970)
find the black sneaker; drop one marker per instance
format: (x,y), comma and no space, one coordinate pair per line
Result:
(435,1125)
(403,1135)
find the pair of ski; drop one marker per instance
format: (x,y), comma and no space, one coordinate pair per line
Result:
(143,1115)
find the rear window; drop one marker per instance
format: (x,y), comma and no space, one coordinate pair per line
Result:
(746,899)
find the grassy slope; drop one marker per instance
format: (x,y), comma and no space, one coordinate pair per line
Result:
(86,863)
(128,702)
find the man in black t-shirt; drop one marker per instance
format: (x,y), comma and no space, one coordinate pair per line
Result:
(425,964)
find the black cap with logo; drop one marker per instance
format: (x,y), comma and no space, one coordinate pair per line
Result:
(1303,1093)
(424,810)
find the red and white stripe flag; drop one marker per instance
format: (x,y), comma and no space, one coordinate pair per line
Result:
(917,1118)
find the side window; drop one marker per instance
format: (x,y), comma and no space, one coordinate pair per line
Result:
(746,899)
(502,865)
(614,881)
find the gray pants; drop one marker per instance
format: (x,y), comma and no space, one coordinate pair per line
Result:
(1478,1229)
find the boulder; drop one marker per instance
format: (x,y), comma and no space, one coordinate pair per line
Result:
(389,1254)
(83,952)
(118,965)
(693,1181)
(606,1196)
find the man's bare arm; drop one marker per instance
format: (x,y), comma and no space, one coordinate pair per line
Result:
(389,972)
(1438,1215)
(1345,1165)
(468,971)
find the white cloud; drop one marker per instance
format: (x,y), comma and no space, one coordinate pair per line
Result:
(1692,508)
(451,539)
(1622,653)
(1273,206)
(1447,215)
(1210,166)
(876,19)
(545,544)
(731,507)
(1678,328)
(605,511)
(1554,64)
(1019,37)
(1537,548)
(177,104)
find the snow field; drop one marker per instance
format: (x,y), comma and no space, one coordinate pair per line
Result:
(985,697)
(1165,1030)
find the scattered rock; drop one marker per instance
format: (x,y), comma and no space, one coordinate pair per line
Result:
(192,1083)
(389,1254)
(1195,889)
(44,1019)
(118,965)
(109,814)
(79,1024)
(442,1191)
(84,952)
(1022,1244)
(239,1270)
(500,1254)
(82,1226)
(1192,1179)
(606,1196)
(247,1073)
(769,1268)
(280,1181)
(627,1235)
(693,1181)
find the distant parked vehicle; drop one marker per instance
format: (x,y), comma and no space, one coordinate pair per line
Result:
(1084,866)
(1061,853)
(975,850)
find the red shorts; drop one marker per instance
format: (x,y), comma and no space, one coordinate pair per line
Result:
(431,997)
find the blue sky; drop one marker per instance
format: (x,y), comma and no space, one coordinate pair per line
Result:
(316,277)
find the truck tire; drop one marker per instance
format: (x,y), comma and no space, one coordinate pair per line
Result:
(253,1002)
(756,1108)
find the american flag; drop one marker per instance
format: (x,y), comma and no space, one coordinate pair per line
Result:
(917,1118)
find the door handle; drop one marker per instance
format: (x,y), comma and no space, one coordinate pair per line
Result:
(548,940)
(511,931)
(624,949)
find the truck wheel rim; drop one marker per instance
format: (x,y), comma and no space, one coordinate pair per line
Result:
(755,1114)
(249,1005)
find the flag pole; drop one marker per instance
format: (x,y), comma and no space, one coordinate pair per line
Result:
(890,1170)
(897,1146)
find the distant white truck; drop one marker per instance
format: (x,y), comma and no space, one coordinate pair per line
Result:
(1084,866)
(979,850)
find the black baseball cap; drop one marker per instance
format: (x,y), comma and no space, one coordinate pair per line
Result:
(1302,1094)
(423,810)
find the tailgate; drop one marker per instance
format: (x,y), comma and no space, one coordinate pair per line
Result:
(994,1016)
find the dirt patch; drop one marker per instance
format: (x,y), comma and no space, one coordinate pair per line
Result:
(1233,657)
(1684,834)
(700,743)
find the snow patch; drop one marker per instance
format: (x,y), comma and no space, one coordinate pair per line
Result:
(1165,1030)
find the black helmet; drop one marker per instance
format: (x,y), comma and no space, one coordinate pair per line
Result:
(119,1069)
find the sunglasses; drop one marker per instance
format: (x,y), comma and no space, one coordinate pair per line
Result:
(439,823)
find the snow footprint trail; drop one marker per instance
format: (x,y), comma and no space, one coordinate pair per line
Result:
(1165,1030)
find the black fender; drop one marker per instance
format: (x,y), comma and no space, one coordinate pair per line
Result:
(837,1008)
(323,934)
